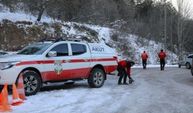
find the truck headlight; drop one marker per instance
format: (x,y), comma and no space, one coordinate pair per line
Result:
(7,65)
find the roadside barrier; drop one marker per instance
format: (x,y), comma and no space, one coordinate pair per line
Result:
(20,88)
(16,100)
(4,107)
(18,95)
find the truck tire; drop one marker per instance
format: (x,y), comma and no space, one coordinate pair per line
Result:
(188,66)
(96,78)
(32,82)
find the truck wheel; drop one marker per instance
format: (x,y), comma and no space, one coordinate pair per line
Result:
(32,82)
(96,78)
(188,66)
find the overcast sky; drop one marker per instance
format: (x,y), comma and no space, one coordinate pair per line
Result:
(188,3)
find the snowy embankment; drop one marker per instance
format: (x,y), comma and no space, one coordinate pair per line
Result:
(101,34)
(152,48)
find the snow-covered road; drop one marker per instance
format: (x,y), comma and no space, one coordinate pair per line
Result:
(153,91)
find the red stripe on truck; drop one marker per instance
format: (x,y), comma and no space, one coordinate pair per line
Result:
(35,62)
(77,60)
(64,61)
(104,59)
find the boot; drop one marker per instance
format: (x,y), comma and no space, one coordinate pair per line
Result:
(131,80)
(125,83)
(119,83)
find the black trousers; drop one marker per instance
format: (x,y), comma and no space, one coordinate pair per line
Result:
(122,75)
(162,64)
(144,63)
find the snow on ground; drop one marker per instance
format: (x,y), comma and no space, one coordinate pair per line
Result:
(75,99)
(153,91)
(153,66)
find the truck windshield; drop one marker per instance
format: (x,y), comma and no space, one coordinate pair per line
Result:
(35,49)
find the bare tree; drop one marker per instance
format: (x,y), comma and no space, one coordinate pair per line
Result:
(183,9)
(165,23)
(41,7)
(36,7)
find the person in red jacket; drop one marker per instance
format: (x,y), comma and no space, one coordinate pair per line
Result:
(144,58)
(162,56)
(121,68)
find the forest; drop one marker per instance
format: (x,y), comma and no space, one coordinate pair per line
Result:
(154,20)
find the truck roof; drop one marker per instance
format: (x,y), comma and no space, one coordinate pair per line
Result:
(95,48)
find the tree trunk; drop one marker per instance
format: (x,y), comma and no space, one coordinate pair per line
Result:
(40,14)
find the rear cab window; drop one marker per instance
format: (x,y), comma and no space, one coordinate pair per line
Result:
(78,49)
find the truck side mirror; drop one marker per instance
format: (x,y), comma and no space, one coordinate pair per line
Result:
(52,54)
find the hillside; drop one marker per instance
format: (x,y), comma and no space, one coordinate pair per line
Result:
(152,19)
(19,29)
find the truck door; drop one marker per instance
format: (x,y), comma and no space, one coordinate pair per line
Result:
(79,60)
(60,69)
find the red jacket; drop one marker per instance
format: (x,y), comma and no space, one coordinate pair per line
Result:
(122,63)
(162,55)
(144,56)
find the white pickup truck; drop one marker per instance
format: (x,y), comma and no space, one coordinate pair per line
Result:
(45,62)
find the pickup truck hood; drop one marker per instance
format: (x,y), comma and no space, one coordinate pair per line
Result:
(15,57)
